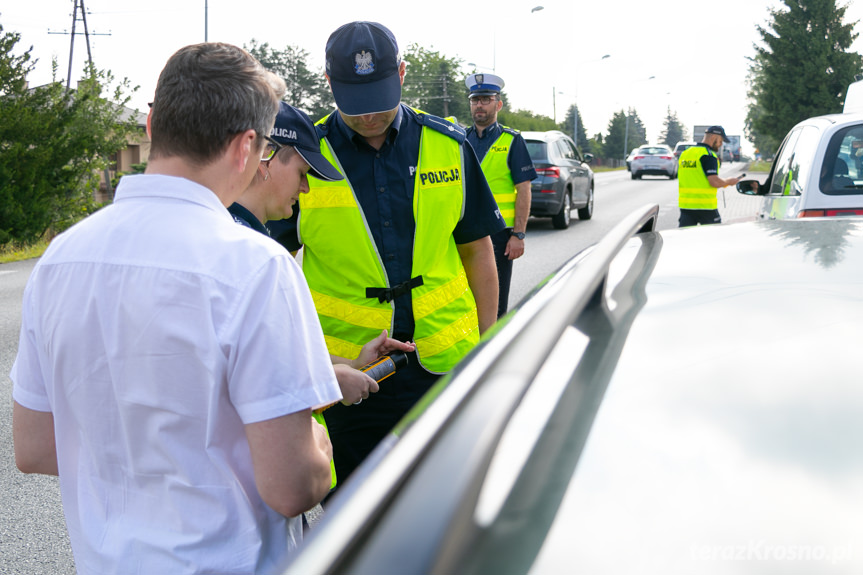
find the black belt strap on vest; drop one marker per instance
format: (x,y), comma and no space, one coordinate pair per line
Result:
(389,294)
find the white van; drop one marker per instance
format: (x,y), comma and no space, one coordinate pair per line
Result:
(854,97)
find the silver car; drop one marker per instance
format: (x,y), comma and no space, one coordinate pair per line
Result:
(662,404)
(818,171)
(654,161)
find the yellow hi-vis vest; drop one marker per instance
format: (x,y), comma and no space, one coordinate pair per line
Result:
(341,261)
(694,191)
(499,177)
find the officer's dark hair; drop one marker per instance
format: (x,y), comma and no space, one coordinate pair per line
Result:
(208,93)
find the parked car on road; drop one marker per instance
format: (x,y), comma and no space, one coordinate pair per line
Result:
(654,161)
(817,171)
(564,179)
(662,404)
(680,146)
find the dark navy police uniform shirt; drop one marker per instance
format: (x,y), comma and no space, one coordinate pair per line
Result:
(383,181)
(246,218)
(709,162)
(518,158)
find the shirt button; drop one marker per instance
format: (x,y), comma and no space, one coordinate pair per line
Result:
(382,189)
(387,224)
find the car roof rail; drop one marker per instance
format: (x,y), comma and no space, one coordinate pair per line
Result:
(487,386)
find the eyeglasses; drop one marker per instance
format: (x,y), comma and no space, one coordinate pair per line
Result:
(271,148)
(484,100)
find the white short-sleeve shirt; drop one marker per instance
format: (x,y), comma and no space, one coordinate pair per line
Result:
(153,331)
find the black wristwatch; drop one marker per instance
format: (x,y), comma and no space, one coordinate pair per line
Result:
(519,235)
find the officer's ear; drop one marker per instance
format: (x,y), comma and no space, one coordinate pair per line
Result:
(403,66)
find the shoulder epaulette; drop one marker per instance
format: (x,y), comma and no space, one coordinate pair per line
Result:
(509,130)
(323,125)
(443,126)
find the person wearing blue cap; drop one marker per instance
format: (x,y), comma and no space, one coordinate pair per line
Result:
(402,243)
(698,180)
(509,170)
(293,153)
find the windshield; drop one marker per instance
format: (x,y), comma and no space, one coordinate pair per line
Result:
(538,150)
(654,151)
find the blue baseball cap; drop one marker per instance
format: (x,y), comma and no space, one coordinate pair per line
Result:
(362,62)
(483,84)
(293,127)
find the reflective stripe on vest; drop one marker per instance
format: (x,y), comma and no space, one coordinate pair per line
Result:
(340,260)
(695,192)
(499,178)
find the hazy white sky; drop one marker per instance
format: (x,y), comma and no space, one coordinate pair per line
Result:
(695,52)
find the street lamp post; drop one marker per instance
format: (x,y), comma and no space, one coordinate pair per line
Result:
(626,131)
(575,115)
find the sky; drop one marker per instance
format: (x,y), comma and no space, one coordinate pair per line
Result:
(677,54)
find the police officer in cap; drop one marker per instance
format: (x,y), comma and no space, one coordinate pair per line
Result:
(509,170)
(698,180)
(401,243)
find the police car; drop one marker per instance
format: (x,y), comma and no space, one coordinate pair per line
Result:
(818,170)
(650,408)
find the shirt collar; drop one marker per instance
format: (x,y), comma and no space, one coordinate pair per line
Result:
(147,186)
(490,130)
(352,136)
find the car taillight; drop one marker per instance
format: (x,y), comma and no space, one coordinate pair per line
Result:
(638,158)
(551,172)
(830,213)
(666,157)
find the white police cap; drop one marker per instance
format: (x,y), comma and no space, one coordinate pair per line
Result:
(483,84)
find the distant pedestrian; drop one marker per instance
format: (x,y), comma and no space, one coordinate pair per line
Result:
(156,374)
(509,170)
(698,180)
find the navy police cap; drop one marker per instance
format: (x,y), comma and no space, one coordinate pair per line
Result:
(362,63)
(483,84)
(293,127)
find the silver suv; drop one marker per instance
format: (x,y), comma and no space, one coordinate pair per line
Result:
(818,171)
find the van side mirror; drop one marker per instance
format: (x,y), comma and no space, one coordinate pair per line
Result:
(588,158)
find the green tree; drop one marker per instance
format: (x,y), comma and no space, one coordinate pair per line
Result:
(524,120)
(803,67)
(434,84)
(765,145)
(673,131)
(584,144)
(307,89)
(54,143)
(625,132)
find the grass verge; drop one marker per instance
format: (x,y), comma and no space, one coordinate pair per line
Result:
(16,253)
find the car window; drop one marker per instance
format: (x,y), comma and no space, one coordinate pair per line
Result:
(795,162)
(565,150)
(782,164)
(654,151)
(842,169)
(575,154)
(538,151)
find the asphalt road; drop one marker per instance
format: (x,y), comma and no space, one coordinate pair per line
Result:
(33,537)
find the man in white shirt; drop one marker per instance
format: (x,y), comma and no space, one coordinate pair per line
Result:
(156,373)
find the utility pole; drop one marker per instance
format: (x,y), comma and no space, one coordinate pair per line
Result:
(445,96)
(79,4)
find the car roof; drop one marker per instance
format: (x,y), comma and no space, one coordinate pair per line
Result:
(544,136)
(679,394)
